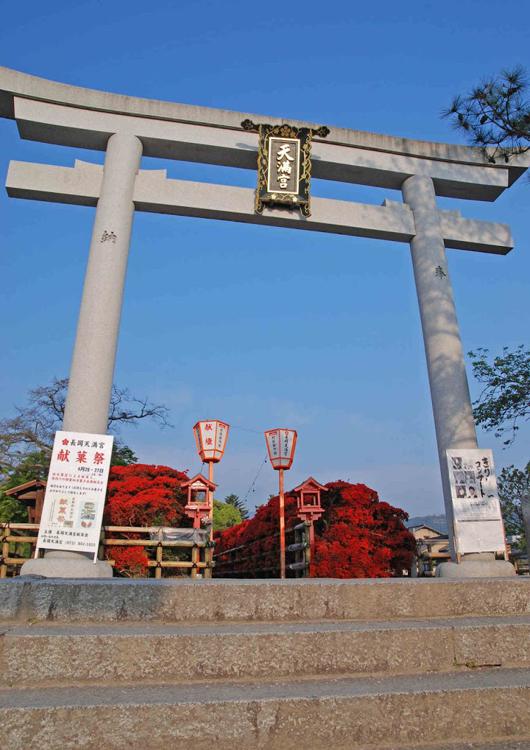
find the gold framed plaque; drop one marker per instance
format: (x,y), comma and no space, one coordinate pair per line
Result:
(284,165)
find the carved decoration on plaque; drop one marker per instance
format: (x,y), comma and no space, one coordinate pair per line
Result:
(284,165)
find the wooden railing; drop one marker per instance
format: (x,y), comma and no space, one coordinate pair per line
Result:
(18,540)
(252,559)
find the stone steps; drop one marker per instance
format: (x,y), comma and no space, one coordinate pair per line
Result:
(126,653)
(186,601)
(348,714)
(503,744)
(265,665)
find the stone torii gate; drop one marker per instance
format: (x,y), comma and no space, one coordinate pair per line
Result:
(127,128)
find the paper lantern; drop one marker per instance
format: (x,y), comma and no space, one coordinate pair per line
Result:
(281,444)
(211,436)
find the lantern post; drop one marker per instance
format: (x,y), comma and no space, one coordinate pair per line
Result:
(281,445)
(199,499)
(310,508)
(211,436)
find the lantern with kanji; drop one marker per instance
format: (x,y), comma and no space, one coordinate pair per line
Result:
(308,500)
(281,444)
(211,436)
(200,493)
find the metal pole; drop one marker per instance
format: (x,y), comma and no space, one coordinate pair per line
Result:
(282,526)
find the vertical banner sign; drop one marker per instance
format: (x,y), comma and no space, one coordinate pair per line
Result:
(75,492)
(475,499)
(284,165)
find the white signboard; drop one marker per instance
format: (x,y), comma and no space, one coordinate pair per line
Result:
(473,485)
(478,523)
(281,445)
(75,492)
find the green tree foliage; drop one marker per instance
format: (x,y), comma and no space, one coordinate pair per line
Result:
(514,484)
(26,439)
(505,397)
(495,115)
(225,515)
(239,504)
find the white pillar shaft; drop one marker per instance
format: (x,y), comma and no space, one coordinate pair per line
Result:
(451,403)
(92,371)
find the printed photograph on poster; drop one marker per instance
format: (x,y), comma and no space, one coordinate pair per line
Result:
(75,492)
(473,484)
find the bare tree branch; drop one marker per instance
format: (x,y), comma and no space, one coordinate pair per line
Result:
(31,430)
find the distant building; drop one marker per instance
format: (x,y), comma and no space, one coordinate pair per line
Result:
(432,548)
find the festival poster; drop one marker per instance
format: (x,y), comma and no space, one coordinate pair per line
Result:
(75,492)
(473,484)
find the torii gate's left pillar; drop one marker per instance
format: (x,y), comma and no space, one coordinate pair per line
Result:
(92,371)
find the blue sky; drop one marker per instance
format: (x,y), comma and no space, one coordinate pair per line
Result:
(343,362)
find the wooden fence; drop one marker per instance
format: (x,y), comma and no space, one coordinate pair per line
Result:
(18,540)
(260,558)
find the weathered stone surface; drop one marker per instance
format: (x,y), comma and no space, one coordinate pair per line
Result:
(14,84)
(476,569)
(34,655)
(347,714)
(223,600)
(154,192)
(155,664)
(504,744)
(61,565)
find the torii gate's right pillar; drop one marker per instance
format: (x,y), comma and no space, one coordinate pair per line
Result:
(451,402)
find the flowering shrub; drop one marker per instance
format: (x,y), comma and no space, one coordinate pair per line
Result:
(130,561)
(142,495)
(357,537)
(145,495)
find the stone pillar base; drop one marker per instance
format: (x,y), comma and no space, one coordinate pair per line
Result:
(66,565)
(476,568)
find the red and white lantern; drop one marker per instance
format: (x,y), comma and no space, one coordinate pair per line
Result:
(211,436)
(281,445)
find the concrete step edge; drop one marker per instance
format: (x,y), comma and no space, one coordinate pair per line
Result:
(299,689)
(131,629)
(100,655)
(118,600)
(361,714)
(520,743)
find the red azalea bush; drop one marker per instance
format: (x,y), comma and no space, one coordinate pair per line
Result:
(357,537)
(145,495)
(142,495)
(131,562)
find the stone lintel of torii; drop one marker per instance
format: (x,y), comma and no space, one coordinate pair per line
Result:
(127,128)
